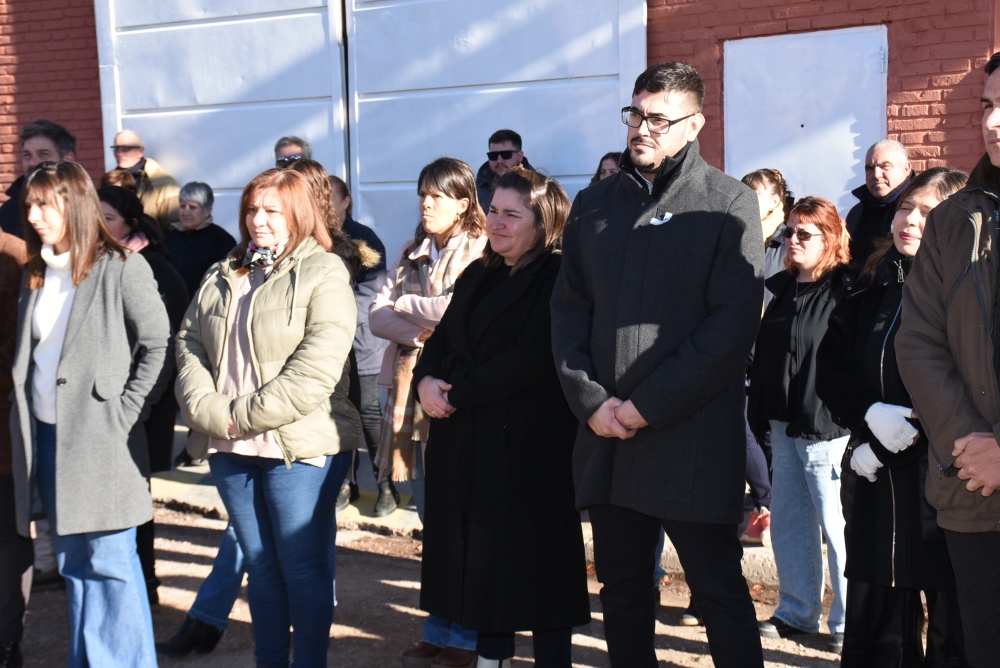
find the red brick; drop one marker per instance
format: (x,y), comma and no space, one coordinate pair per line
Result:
(914,110)
(923,151)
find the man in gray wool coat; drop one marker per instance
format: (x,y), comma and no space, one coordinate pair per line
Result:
(655,310)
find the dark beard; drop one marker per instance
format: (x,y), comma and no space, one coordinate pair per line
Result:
(646,166)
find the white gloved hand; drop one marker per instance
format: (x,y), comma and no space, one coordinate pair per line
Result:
(864,462)
(888,424)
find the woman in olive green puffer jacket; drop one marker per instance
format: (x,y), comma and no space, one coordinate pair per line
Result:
(262,383)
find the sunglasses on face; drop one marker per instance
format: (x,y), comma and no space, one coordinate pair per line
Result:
(284,162)
(801,234)
(506,155)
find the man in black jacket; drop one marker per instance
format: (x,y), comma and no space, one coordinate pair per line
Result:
(887,173)
(40,141)
(655,310)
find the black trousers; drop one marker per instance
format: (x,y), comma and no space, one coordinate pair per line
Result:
(975,558)
(366,401)
(15,559)
(624,542)
(552,649)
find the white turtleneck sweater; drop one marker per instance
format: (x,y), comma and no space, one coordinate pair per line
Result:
(48,328)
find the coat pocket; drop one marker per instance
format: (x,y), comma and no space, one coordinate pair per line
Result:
(110,386)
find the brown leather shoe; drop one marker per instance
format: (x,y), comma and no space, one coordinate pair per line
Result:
(419,655)
(452,657)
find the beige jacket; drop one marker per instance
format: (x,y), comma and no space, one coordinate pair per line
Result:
(944,350)
(302,324)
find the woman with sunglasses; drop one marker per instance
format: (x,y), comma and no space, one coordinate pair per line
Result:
(895,550)
(806,444)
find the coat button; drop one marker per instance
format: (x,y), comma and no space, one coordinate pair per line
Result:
(60,382)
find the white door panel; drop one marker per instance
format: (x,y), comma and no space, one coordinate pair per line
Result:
(181,67)
(808,105)
(136,14)
(437,78)
(461,43)
(452,116)
(211,86)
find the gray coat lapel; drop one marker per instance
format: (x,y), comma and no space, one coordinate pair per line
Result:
(78,312)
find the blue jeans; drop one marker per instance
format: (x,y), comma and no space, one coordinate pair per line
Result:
(658,571)
(439,632)
(109,619)
(805,497)
(219,590)
(282,521)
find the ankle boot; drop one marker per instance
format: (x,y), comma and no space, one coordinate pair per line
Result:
(388,499)
(194,635)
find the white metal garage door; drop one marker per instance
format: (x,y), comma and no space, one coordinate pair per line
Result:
(211,86)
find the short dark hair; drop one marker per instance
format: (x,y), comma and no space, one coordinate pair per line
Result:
(57,134)
(500,136)
(292,140)
(993,63)
(672,76)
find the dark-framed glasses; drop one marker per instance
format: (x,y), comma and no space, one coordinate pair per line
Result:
(802,235)
(281,163)
(118,148)
(657,125)
(506,155)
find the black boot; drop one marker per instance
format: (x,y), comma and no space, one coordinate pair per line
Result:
(194,635)
(10,655)
(388,499)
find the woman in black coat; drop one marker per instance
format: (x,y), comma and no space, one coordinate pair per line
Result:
(895,549)
(503,549)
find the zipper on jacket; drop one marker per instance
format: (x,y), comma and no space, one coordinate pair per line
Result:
(892,488)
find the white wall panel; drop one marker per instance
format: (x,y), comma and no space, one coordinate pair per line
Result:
(210,86)
(814,117)
(183,66)
(461,43)
(437,78)
(157,13)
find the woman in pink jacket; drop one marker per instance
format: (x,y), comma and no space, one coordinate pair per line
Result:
(409,306)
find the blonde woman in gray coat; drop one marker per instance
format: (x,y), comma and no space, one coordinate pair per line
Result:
(92,355)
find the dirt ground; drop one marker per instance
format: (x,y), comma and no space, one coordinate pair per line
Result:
(377,589)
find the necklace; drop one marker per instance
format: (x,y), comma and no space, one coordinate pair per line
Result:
(800,290)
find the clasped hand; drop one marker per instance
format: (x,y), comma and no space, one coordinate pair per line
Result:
(616,419)
(433,393)
(977,458)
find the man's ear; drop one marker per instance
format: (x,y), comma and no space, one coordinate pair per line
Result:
(693,126)
(71,156)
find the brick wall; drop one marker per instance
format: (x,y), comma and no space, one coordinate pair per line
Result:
(48,69)
(937,50)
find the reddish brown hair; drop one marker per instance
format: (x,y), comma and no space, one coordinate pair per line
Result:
(298,205)
(822,214)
